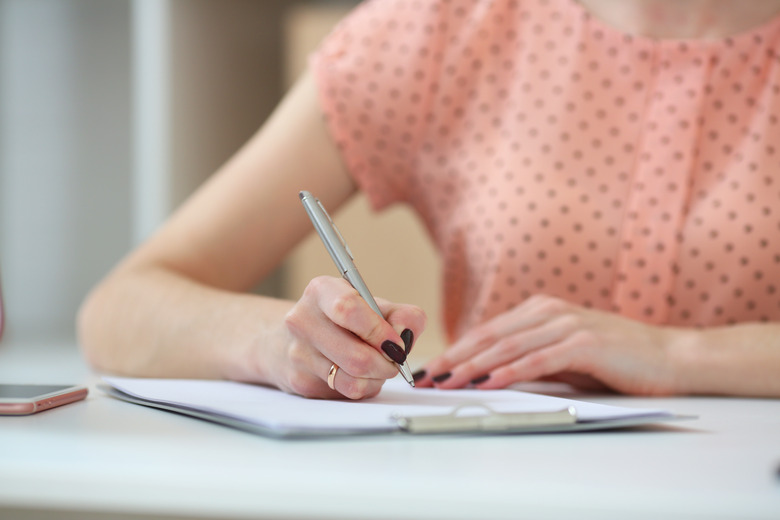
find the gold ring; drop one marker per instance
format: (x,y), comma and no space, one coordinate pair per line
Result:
(332,376)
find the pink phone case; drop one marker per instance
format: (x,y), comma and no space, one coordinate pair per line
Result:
(2,314)
(39,405)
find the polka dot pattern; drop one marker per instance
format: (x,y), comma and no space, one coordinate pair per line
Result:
(547,152)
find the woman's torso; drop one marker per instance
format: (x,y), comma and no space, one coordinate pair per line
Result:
(547,152)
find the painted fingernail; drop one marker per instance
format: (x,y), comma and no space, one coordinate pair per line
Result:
(442,377)
(418,375)
(408,336)
(394,351)
(480,379)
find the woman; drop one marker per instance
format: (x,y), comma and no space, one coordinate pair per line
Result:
(600,178)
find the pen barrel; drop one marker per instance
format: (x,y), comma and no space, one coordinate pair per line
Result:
(331,240)
(337,248)
(355,280)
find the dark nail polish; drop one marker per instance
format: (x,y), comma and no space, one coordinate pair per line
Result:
(418,375)
(442,377)
(480,379)
(408,336)
(394,351)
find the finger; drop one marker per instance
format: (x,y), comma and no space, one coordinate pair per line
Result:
(554,359)
(346,385)
(407,320)
(506,351)
(314,384)
(342,304)
(356,358)
(440,368)
(531,313)
(351,353)
(304,378)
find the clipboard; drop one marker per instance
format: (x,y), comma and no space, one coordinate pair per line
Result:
(561,421)
(397,410)
(487,421)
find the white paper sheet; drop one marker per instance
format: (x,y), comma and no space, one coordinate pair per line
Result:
(275,410)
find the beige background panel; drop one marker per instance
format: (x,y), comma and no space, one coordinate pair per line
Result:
(391,248)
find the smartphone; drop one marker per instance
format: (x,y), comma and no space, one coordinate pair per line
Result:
(29,399)
(2,314)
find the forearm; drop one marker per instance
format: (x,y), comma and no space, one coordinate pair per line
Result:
(736,360)
(155,323)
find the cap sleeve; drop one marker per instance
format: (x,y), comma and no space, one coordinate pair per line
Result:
(375,76)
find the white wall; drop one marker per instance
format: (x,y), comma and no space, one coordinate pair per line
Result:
(65,155)
(206,75)
(111,113)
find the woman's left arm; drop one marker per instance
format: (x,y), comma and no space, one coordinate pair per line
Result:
(549,338)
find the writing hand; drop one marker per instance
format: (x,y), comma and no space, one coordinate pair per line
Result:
(332,323)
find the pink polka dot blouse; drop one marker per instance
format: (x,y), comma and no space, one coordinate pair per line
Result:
(548,152)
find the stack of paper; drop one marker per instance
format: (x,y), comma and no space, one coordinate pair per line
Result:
(397,408)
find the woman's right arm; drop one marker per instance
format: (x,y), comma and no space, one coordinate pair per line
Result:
(178,306)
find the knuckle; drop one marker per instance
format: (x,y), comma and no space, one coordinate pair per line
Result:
(372,390)
(345,306)
(356,388)
(482,337)
(304,386)
(552,304)
(585,338)
(296,353)
(417,314)
(468,367)
(536,359)
(536,300)
(315,285)
(570,322)
(487,337)
(359,363)
(293,321)
(505,346)
(312,289)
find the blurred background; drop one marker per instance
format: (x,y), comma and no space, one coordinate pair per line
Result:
(112,112)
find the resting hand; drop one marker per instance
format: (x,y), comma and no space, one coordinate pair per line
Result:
(331,323)
(548,338)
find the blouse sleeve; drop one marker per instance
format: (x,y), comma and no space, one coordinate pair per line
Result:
(376,76)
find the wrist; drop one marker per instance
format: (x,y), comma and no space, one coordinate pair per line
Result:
(714,361)
(260,338)
(687,352)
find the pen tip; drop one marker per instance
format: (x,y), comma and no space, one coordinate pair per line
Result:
(406,373)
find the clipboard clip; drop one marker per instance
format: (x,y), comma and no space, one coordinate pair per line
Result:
(481,418)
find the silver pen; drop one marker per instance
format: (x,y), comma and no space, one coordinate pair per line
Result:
(342,256)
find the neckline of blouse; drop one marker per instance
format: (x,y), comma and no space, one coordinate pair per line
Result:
(749,37)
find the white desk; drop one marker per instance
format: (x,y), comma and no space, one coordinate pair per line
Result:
(103,458)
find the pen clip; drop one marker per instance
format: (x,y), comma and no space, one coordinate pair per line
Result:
(336,229)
